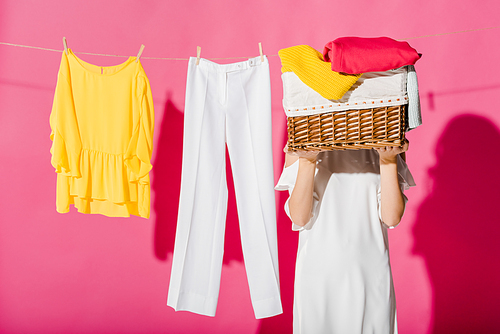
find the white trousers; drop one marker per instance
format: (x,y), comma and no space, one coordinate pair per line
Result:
(230,104)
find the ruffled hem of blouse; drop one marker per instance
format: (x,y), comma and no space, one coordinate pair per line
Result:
(107,186)
(103,207)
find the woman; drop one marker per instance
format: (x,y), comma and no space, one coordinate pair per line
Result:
(342,202)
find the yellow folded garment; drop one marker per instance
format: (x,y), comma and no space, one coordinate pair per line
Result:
(308,64)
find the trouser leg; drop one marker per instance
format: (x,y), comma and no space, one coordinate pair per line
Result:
(248,128)
(199,242)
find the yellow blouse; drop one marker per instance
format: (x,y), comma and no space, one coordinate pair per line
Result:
(102,123)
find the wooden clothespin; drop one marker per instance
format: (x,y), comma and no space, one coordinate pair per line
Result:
(65,45)
(140,53)
(198,55)
(261,54)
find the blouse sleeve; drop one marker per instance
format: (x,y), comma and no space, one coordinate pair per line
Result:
(287,182)
(140,148)
(405,180)
(65,135)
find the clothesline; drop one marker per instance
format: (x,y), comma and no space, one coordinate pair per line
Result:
(162,58)
(109,55)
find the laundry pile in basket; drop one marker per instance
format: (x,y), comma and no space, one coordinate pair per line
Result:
(360,93)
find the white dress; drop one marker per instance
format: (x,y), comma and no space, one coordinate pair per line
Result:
(343,280)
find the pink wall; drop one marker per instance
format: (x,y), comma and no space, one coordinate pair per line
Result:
(76,273)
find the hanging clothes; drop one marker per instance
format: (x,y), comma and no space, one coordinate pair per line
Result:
(226,104)
(102,123)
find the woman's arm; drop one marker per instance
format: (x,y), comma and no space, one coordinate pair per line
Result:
(392,200)
(301,199)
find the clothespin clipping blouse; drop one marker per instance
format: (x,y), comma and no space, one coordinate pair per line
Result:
(198,54)
(140,53)
(260,51)
(65,45)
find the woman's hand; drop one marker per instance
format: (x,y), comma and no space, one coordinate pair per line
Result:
(292,156)
(389,154)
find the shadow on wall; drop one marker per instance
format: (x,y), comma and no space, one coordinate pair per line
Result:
(432,95)
(167,178)
(167,184)
(457,229)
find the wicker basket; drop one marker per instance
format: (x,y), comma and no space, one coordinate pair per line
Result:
(349,129)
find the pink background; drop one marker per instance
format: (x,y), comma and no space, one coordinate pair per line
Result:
(75,273)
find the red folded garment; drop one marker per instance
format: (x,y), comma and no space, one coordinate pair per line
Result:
(354,55)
